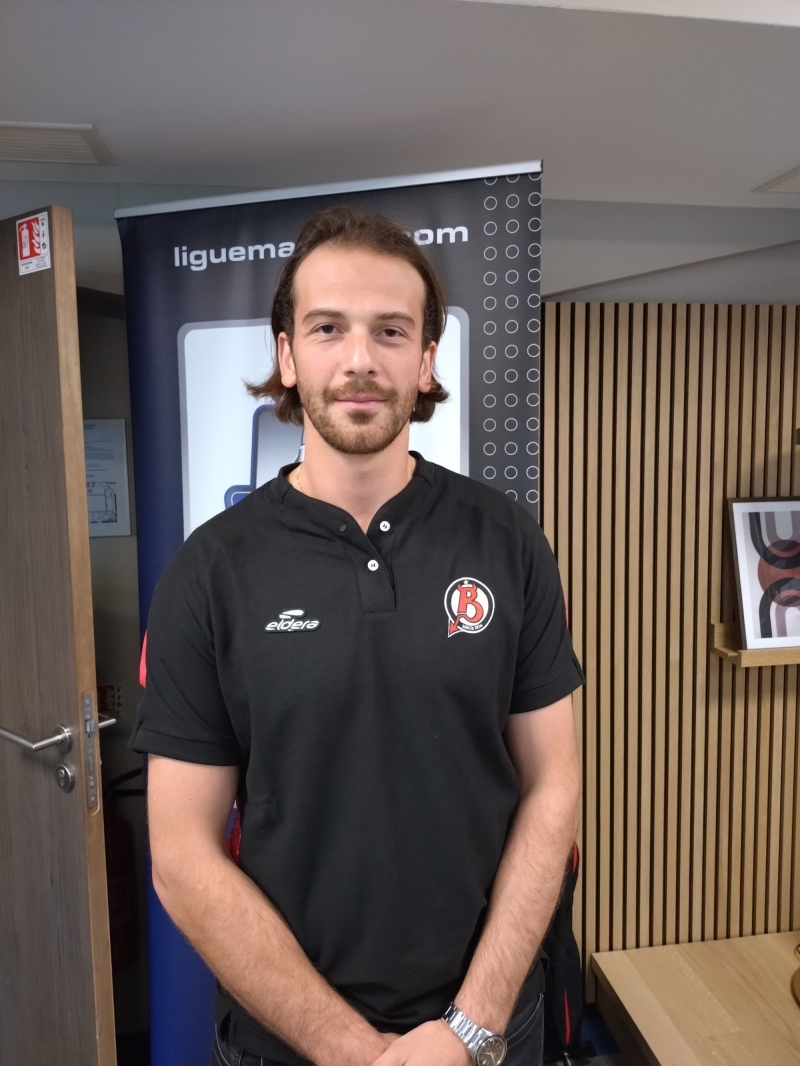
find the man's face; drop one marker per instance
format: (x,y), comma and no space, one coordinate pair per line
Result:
(357,357)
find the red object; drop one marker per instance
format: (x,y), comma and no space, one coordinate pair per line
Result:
(29,238)
(235,839)
(123,909)
(567,1026)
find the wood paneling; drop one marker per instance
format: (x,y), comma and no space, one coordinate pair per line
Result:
(653,416)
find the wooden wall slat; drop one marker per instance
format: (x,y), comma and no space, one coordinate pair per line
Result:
(604,608)
(659,607)
(686,397)
(563,456)
(703,786)
(593,813)
(788,800)
(774,799)
(620,727)
(647,574)
(713,857)
(653,416)
(741,340)
(631,680)
(674,890)
(577,474)
(746,696)
(772,451)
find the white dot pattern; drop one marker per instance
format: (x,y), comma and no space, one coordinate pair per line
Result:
(512,207)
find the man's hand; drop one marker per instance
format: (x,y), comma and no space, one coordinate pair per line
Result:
(430,1044)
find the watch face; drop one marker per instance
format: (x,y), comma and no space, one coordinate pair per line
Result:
(492,1052)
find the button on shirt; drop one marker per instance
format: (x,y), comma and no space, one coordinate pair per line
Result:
(362,682)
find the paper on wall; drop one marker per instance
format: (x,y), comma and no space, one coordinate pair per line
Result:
(107,477)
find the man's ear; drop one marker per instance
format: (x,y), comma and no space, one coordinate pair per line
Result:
(286,361)
(426,368)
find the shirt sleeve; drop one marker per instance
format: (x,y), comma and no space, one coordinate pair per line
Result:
(547,668)
(182,712)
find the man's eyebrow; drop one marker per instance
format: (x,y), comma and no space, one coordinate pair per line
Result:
(384,316)
(323,312)
(392,316)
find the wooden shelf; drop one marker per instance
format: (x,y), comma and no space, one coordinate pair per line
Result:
(725,640)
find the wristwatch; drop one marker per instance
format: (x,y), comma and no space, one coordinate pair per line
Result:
(485,1048)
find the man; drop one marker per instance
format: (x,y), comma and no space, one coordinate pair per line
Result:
(370,655)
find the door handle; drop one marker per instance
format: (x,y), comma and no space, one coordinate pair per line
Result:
(105,719)
(62,737)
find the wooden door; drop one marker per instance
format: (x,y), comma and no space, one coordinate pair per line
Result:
(56,1003)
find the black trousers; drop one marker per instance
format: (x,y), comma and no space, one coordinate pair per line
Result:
(525,1036)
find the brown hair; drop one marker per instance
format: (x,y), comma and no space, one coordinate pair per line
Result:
(346,227)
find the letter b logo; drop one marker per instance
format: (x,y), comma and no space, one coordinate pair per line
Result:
(469,604)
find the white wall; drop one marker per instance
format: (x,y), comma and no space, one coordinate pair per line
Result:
(766,276)
(591,244)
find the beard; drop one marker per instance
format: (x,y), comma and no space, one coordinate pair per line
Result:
(358,432)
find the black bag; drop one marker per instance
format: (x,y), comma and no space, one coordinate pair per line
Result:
(563,994)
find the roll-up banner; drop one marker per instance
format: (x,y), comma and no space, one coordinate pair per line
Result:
(199,281)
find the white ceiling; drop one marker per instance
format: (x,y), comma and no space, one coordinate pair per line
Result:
(772,12)
(265,93)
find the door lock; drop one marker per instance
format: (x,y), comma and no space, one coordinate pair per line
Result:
(65,776)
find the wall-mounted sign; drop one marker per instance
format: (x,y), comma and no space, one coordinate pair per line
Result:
(33,243)
(107,477)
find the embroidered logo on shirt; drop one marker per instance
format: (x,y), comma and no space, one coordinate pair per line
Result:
(291,621)
(469,605)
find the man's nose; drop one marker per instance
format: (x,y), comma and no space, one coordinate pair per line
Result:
(358,356)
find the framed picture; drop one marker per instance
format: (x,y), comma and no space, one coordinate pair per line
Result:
(766,552)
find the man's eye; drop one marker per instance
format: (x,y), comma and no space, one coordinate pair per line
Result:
(327,328)
(393,333)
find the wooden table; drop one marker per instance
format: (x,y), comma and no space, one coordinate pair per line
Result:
(718,1003)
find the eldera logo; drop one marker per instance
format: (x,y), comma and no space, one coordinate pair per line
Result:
(469,605)
(291,622)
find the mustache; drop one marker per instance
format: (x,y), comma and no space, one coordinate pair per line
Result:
(360,388)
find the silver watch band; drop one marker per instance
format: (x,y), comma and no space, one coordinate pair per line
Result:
(466,1030)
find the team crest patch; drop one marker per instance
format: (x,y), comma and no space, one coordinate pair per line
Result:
(469,605)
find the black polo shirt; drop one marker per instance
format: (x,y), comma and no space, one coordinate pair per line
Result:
(362,683)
